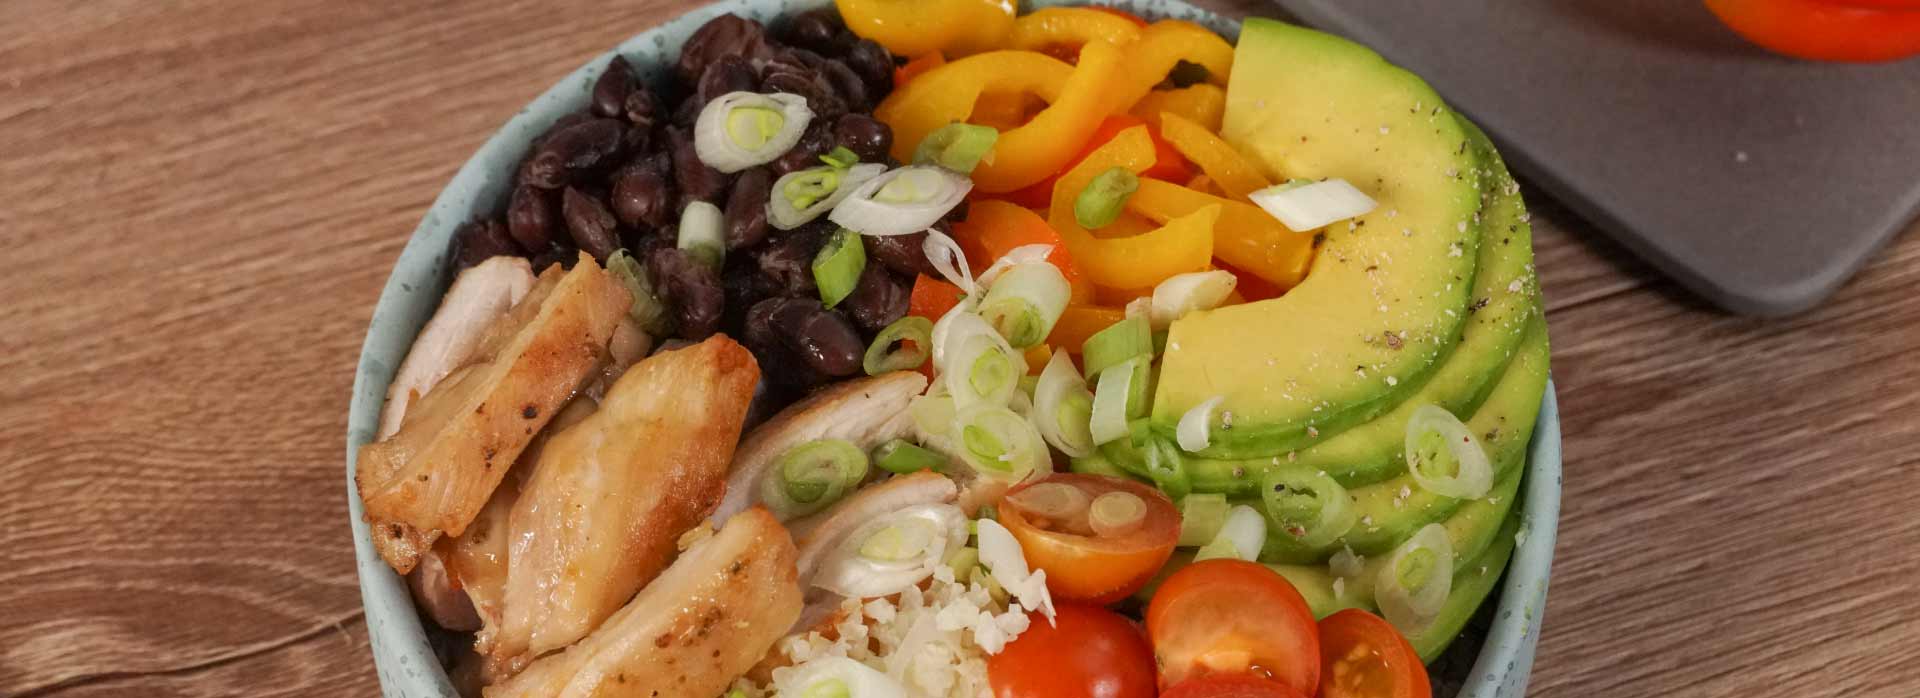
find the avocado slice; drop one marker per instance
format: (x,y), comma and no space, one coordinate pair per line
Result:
(1504,303)
(1387,293)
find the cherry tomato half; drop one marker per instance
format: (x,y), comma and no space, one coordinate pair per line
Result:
(1824,30)
(1087,652)
(1231,686)
(1084,564)
(1364,656)
(1226,616)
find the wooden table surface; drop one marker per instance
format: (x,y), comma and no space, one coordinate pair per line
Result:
(200,200)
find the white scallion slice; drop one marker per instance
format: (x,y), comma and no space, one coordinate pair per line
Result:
(1064,407)
(1201,516)
(739,130)
(976,364)
(1308,505)
(839,677)
(1414,582)
(948,259)
(1024,254)
(647,309)
(812,476)
(894,551)
(701,233)
(1444,457)
(1108,419)
(1240,537)
(1184,293)
(933,414)
(1116,514)
(905,200)
(901,346)
(999,443)
(1056,501)
(1195,431)
(1313,205)
(1024,302)
(837,266)
(799,197)
(1123,340)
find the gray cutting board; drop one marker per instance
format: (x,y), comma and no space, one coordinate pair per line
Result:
(1758,181)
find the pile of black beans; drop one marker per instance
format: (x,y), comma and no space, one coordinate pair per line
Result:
(618,174)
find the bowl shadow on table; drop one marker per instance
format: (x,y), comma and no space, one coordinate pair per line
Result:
(1682,24)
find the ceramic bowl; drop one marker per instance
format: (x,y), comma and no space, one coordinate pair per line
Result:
(406,663)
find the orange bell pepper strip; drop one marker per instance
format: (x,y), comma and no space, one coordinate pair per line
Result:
(1180,245)
(1204,104)
(917,27)
(1246,236)
(948,93)
(994,228)
(932,298)
(1162,46)
(1050,140)
(1006,111)
(906,73)
(1167,163)
(1228,169)
(1071,27)
(1037,357)
(1079,322)
(1120,297)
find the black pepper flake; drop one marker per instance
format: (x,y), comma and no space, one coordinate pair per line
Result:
(1319,238)
(1478,304)
(530,411)
(1393,341)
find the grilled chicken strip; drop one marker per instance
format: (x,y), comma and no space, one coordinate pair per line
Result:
(477,297)
(868,412)
(455,443)
(609,497)
(702,623)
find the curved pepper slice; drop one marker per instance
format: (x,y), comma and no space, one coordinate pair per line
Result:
(993,228)
(1182,245)
(1204,104)
(1079,322)
(948,93)
(917,27)
(1050,140)
(1245,236)
(1162,46)
(1071,28)
(1228,169)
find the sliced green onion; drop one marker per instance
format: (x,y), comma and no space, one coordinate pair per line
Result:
(1140,389)
(1444,457)
(1107,420)
(966,558)
(902,201)
(1168,469)
(901,456)
(1098,463)
(1196,426)
(1413,584)
(1201,516)
(901,346)
(1116,514)
(1000,443)
(1053,500)
(1063,407)
(701,233)
(807,187)
(1312,205)
(647,310)
(801,196)
(957,146)
(975,363)
(813,475)
(837,267)
(840,157)
(905,540)
(1184,293)
(827,688)
(1240,537)
(1101,203)
(948,260)
(1025,301)
(1119,342)
(1308,505)
(932,414)
(739,130)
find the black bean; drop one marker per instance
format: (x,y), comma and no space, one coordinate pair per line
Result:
(957,213)
(530,217)
(641,196)
(555,253)
(580,148)
(726,74)
(743,285)
(590,223)
(877,300)
(697,181)
(901,253)
(687,112)
(780,365)
(641,244)
(746,213)
(478,241)
(725,35)
(846,85)
(642,108)
(815,142)
(611,89)
(817,30)
(824,339)
(866,136)
(874,65)
(811,86)
(787,261)
(691,291)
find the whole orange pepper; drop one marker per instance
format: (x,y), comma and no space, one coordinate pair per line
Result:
(1071,27)
(1162,46)
(1228,169)
(1181,245)
(1204,104)
(994,228)
(948,93)
(1049,141)
(917,27)
(1246,237)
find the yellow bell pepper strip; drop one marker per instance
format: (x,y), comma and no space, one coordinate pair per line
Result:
(919,27)
(948,93)
(1053,137)
(1128,225)
(1224,165)
(1246,236)
(1079,322)
(1071,28)
(1162,46)
(1204,104)
(1120,297)
(1005,111)
(1181,245)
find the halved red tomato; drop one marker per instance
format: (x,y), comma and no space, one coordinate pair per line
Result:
(1086,652)
(1231,686)
(1826,30)
(1227,616)
(1364,656)
(1066,528)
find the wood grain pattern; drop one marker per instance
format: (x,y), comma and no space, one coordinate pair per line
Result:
(201,199)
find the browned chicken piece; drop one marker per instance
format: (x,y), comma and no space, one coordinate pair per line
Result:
(868,412)
(478,296)
(456,442)
(609,497)
(703,622)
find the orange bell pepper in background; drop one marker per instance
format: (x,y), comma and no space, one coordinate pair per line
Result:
(1120,297)
(993,228)
(918,27)
(1167,162)
(932,298)
(1162,46)
(1071,28)
(1203,104)
(1252,287)
(1246,237)
(947,93)
(1181,245)
(1037,357)
(1079,322)
(1220,161)
(1006,111)
(1049,141)
(906,73)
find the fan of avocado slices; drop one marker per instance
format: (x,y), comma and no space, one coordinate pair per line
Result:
(1430,300)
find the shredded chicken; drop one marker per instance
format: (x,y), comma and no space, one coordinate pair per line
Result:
(477,297)
(455,443)
(868,412)
(609,498)
(702,623)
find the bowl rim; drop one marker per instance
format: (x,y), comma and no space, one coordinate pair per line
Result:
(404,660)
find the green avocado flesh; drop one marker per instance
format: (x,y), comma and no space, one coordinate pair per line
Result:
(1503,306)
(1472,583)
(1388,292)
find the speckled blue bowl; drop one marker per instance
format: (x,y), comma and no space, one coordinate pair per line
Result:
(401,653)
